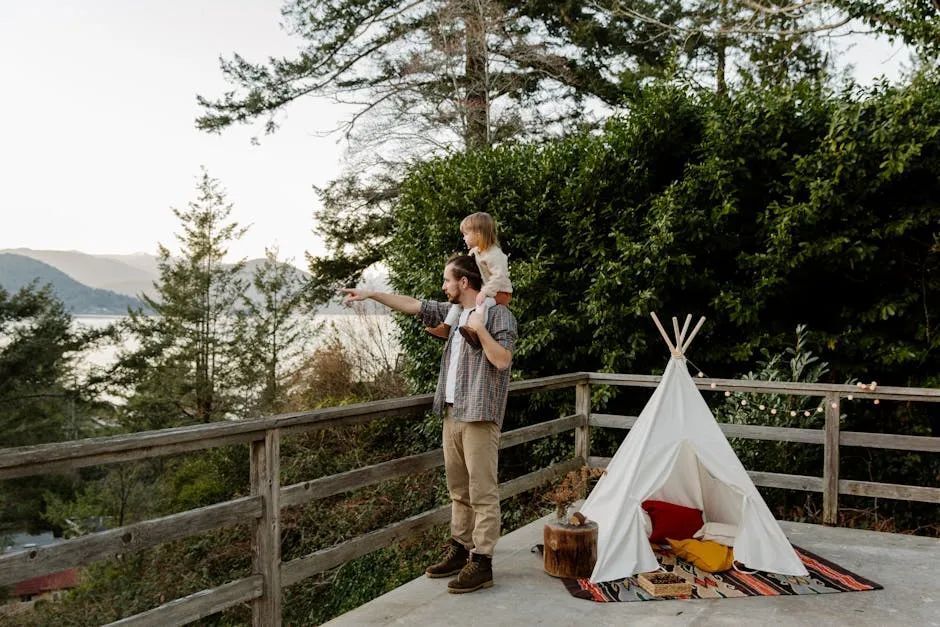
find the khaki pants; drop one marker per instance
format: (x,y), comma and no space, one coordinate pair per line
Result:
(471,453)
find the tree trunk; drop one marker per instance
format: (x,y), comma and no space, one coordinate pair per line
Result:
(477,133)
(721,44)
(570,550)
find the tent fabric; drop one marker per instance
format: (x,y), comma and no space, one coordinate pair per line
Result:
(676,452)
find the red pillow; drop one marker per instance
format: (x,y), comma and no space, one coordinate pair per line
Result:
(672,521)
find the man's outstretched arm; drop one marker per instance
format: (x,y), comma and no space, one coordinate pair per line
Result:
(404,304)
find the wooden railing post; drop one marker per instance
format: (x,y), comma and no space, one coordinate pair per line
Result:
(266,539)
(831,461)
(582,434)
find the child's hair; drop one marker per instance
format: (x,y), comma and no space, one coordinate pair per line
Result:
(484,226)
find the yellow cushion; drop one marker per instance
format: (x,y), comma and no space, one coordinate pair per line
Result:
(707,555)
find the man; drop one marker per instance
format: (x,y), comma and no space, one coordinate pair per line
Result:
(472,388)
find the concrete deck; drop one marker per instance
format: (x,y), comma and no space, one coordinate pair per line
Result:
(524,595)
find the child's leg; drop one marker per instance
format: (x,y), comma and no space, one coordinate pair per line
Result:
(442,331)
(471,336)
(484,307)
(453,316)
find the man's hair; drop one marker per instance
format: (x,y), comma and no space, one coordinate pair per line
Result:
(465,266)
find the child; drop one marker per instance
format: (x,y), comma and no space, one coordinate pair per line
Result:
(479,234)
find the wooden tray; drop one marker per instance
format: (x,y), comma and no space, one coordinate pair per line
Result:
(661,584)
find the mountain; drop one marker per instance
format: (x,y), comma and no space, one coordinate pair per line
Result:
(130,275)
(17,271)
(133,275)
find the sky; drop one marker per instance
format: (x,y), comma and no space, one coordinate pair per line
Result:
(97,133)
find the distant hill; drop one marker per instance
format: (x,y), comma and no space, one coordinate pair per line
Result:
(17,271)
(130,275)
(133,275)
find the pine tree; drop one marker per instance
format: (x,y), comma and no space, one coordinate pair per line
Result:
(185,363)
(275,330)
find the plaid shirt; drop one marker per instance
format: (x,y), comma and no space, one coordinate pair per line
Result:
(481,389)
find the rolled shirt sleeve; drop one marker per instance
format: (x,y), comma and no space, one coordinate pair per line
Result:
(433,312)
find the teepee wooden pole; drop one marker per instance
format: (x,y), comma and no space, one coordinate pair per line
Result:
(692,335)
(675,329)
(662,331)
(685,328)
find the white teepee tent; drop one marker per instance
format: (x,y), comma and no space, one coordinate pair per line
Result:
(677,453)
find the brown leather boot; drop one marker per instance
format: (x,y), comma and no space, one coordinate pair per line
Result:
(478,573)
(470,336)
(441,331)
(455,557)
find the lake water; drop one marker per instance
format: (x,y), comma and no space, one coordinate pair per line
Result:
(370,338)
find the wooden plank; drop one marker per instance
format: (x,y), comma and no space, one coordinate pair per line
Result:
(773,434)
(38,465)
(305,491)
(765,479)
(197,605)
(890,491)
(830,513)
(612,421)
(299,569)
(553,382)
(789,482)
(926,444)
(266,540)
(582,434)
(926,395)
(63,456)
(28,460)
(748,432)
(540,430)
(15,567)
(535,479)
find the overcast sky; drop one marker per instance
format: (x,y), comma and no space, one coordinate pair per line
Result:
(97,135)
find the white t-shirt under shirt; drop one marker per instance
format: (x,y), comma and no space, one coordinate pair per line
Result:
(456,344)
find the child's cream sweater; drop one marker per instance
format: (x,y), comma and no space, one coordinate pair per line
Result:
(494,268)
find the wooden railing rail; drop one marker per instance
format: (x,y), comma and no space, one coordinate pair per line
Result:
(270,575)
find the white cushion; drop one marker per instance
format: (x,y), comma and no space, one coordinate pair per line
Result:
(722,533)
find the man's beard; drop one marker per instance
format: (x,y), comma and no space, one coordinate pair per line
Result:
(454,300)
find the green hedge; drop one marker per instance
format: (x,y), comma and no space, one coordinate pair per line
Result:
(761,211)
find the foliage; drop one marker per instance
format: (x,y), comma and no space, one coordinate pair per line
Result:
(273,332)
(44,396)
(571,488)
(183,368)
(763,210)
(438,76)
(796,363)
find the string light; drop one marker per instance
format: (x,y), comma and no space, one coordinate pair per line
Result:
(867,387)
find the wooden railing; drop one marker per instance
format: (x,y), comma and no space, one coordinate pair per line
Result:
(269,575)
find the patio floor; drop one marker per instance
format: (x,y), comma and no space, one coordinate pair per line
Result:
(524,595)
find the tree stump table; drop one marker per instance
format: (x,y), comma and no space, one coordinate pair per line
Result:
(570,550)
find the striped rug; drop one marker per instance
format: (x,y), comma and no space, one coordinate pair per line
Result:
(824,578)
